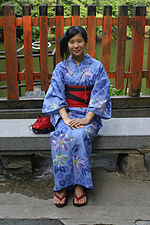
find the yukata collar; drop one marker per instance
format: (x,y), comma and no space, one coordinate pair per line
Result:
(87,59)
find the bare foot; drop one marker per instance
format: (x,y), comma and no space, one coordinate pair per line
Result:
(79,191)
(58,195)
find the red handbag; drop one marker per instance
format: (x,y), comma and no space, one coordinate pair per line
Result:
(42,125)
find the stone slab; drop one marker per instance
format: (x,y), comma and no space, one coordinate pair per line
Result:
(117,133)
(141,222)
(30,222)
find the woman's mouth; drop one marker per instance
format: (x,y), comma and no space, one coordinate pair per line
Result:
(76,51)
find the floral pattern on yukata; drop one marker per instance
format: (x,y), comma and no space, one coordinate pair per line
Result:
(60,141)
(79,164)
(91,128)
(99,104)
(87,74)
(60,159)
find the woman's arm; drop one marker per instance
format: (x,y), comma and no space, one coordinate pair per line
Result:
(89,116)
(63,113)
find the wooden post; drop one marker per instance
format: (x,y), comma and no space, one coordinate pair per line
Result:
(137,50)
(59,29)
(121,46)
(106,41)
(43,22)
(27,33)
(91,30)
(148,65)
(75,12)
(10,51)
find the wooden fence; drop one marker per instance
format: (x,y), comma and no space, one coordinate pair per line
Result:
(137,22)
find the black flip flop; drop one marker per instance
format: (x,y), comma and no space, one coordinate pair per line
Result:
(59,205)
(78,198)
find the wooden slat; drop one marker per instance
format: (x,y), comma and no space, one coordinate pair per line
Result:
(75,20)
(106,41)
(59,34)
(137,52)
(148,65)
(44,52)
(148,21)
(36,75)
(21,76)
(10,51)
(51,22)
(83,21)
(91,30)
(75,13)
(112,75)
(28,60)
(19,22)
(35,22)
(59,30)
(99,21)
(1,21)
(3,76)
(121,46)
(114,21)
(68,21)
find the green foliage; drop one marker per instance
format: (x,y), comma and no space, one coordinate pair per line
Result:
(114,91)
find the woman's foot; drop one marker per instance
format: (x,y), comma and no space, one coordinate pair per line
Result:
(60,198)
(80,198)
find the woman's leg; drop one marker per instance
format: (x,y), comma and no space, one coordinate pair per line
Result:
(61,156)
(70,151)
(81,168)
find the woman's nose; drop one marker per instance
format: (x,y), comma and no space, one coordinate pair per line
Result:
(75,44)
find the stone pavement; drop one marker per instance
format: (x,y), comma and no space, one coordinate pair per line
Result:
(115,200)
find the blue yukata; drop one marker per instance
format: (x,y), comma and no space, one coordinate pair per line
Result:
(71,148)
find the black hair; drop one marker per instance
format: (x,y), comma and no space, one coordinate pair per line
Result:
(71,32)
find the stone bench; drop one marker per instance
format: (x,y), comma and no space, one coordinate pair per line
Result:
(127,137)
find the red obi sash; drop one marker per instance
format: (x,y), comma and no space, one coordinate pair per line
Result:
(78,96)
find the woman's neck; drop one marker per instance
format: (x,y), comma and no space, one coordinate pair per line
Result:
(78,59)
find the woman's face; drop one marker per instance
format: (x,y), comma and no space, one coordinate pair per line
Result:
(76,45)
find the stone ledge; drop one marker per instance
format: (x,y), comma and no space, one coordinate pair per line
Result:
(117,133)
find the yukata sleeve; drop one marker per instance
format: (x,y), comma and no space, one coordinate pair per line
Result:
(56,96)
(100,101)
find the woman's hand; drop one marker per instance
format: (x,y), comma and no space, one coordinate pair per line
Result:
(79,123)
(73,123)
(83,121)
(70,122)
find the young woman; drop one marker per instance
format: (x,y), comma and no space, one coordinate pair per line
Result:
(77,99)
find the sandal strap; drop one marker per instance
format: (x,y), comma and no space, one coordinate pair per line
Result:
(80,197)
(60,197)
